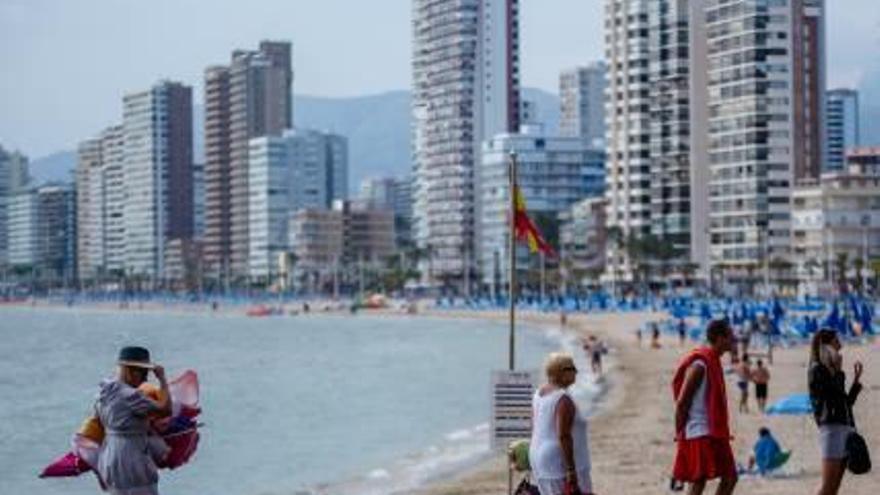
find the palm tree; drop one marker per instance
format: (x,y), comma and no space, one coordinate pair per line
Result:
(841,262)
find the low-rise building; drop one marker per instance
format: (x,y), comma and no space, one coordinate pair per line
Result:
(836,220)
(583,235)
(316,241)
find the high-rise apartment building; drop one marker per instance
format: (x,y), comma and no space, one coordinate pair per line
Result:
(582,100)
(766,105)
(466,88)
(14,177)
(90,210)
(22,228)
(553,173)
(55,233)
(655,118)
(627,122)
(707,127)
(251,97)
(300,169)
(841,126)
(158,172)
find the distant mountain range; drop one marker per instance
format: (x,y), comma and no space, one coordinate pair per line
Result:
(377,128)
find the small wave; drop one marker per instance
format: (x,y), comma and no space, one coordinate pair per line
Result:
(459,435)
(378,474)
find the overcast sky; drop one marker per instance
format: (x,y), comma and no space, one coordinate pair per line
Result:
(65,64)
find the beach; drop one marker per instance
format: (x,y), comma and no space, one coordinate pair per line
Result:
(632,429)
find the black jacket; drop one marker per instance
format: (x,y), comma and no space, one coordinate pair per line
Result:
(832,405)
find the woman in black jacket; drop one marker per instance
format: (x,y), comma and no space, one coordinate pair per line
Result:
(832,405)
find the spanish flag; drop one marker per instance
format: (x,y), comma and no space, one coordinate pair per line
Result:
(525,228)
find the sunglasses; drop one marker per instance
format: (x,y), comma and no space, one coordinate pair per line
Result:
(570,368)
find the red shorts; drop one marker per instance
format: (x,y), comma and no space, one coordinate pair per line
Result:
(703,458)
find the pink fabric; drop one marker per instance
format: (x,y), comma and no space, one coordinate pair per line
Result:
(182,444)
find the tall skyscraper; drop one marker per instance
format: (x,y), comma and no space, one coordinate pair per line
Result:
(301,169)
(249,98)
(90,211)
(841,126)
(55,232)
(766,106)
(706,132)
(158,173)
(582,100)
(14,177)
(466,88)
(22,228)
(627,122)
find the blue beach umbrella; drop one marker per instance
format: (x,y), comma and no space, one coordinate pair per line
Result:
(791,405)
(833,318)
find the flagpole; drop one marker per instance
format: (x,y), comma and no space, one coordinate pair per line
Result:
(512,255)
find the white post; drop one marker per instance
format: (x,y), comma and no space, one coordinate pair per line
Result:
(543,277)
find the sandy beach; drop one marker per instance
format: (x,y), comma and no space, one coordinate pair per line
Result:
(632,432)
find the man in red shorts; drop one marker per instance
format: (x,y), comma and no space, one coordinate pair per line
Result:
(701,416)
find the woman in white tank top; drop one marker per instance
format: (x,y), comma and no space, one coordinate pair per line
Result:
(559,452)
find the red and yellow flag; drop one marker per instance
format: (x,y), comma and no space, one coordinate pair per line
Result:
(525,228)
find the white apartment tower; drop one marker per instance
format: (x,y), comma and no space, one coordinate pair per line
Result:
(714,108)
(301,169)
(465,89)
(582,103)
(628,119)
(158,176)
(766,104)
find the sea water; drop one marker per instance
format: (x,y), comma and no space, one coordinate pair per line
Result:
(305,404)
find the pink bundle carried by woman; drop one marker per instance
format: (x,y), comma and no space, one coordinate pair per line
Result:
(173,441)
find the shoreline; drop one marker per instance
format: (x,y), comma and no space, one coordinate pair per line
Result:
(631,436)
(631,425)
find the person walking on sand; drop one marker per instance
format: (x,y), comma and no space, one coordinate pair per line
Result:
(682,332)
(655,336)
(703,450)
(128,455)
(744,376)
(559,451)
(832,405)
(761,378)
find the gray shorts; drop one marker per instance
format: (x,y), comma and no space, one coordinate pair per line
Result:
(832,441)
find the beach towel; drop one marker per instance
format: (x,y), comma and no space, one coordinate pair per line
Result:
(716,392)
(179,431)
(710,456)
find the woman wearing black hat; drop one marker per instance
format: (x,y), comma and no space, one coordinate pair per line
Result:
(127,462)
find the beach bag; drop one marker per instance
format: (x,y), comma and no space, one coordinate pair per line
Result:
(858,458)
(526,487)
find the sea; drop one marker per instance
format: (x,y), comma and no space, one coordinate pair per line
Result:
(292,405)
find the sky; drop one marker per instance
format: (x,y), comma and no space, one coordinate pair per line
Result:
(65,64)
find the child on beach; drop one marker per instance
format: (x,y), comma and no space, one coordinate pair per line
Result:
(702,427)
(761,377)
